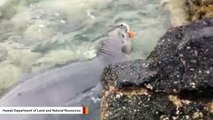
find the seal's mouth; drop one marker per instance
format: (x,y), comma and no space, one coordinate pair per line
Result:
(131,34)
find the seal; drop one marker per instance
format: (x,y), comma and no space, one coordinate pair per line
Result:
(59,86)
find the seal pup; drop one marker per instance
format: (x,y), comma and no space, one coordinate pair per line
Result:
(58,86)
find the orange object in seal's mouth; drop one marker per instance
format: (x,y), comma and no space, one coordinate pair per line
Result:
(131,34)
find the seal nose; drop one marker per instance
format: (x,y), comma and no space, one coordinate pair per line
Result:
(131,34)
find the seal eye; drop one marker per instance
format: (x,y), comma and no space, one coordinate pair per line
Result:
(125,27)
(126,50)
(122,35)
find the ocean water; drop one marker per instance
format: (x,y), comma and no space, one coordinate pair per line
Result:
(39,34)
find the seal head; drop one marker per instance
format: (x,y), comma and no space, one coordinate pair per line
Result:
(117,44)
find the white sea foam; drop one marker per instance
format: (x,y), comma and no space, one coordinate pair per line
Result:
(43,32)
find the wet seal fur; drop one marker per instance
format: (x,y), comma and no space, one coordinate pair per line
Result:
(59,86)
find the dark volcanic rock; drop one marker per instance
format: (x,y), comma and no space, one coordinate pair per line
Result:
(139,104)
(128,74)
(182,60)
(181,65)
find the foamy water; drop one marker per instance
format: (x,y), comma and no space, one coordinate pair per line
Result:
(38,34)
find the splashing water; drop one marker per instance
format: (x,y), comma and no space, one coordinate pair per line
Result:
(38,34)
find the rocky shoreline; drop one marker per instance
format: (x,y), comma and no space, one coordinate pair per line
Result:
(199,9)
(174,83)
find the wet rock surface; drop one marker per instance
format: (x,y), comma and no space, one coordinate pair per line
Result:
(174,82)
(136,105)
(199,9)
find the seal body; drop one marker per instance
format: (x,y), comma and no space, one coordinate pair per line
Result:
(60,86)
(53,88)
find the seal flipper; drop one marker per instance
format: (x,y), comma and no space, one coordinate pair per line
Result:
(91,99)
